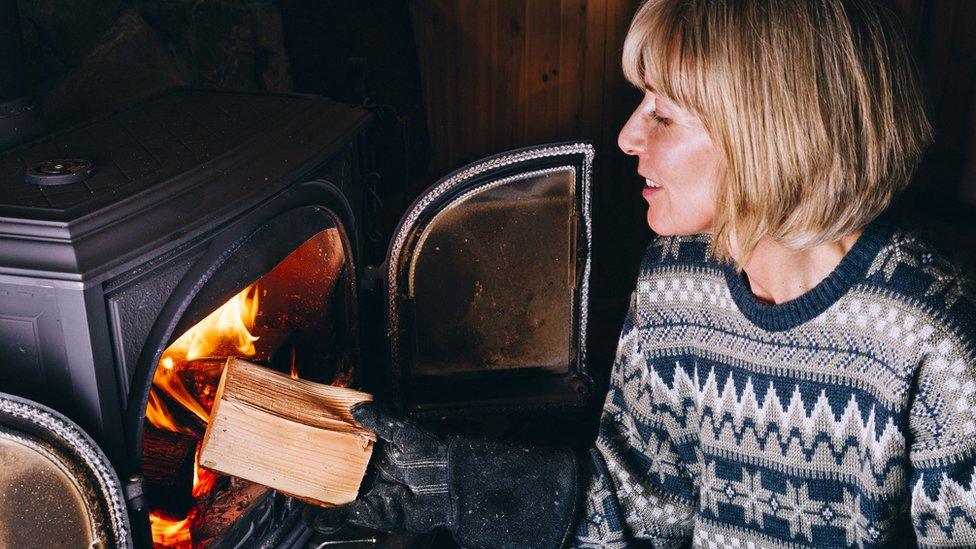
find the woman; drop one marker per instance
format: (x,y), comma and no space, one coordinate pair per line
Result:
(794,369)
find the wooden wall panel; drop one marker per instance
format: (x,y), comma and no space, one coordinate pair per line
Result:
(572,52)
(474,49)
(500,74)
(507,84)
(942,199)
(593,66)
(541,70)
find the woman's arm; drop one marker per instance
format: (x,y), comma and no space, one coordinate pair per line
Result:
(639,488)
(943,430)
(487,493)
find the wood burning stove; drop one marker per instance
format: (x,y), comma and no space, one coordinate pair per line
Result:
(215,224)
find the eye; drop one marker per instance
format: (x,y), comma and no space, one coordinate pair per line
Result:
(659,119)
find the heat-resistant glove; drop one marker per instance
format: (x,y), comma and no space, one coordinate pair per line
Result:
(486,493)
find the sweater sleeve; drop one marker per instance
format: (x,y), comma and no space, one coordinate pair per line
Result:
(639,488)
(943,441)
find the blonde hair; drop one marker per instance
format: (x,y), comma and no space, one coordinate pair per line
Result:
(816,105)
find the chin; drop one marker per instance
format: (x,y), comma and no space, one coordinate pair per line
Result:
(661,227)
(666,228)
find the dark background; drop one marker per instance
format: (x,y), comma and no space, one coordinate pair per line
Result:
(451,81)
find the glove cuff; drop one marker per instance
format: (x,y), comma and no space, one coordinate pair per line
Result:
(508,495)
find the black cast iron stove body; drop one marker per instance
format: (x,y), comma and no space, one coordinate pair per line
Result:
(86,268)
(98,275)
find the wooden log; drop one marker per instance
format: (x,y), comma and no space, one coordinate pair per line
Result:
(167,463)
(290,434)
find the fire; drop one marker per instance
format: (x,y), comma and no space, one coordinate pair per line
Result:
(159,415)
(229,327)
(231,323)
(294,367)
(169,532)
(203,479)
(168,381)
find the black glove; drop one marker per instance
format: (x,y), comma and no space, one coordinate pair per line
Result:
(487,493)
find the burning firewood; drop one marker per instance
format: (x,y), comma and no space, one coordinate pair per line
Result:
(168,462)
(290,434)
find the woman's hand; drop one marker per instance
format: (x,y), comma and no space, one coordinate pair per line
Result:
(487,493)
(410,489)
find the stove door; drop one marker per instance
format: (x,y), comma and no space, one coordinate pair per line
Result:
(487,285)
(58,488)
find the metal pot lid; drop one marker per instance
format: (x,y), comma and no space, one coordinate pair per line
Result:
(57,488)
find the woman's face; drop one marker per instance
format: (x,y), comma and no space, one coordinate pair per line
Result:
(679,163)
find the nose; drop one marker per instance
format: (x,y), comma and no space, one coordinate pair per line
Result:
(631,137)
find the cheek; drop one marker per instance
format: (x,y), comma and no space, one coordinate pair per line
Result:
(694,169)
(691,173)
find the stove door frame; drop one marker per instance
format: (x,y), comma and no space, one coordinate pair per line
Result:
(496,390)
(219,273)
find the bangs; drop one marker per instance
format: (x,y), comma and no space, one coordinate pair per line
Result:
(663,51)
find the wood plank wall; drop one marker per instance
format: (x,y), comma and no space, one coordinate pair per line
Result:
(500,74)
(942,199)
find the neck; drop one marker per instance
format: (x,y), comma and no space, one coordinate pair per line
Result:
(778,274)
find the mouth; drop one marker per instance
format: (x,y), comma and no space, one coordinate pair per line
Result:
(650,187)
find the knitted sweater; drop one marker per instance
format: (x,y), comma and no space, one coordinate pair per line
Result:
(845,417)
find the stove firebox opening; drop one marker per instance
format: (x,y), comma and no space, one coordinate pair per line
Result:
(293,319)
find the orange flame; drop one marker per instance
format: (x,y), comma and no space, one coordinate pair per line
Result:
(294,367)
(203,479)
(169,532)
(159,415)
(231,323)
(168,380)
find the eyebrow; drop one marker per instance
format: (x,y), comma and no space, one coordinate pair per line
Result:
(669,104)
(661,98)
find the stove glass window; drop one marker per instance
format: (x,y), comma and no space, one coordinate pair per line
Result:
(492,276)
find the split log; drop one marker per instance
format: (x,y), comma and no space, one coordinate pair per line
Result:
(290,434)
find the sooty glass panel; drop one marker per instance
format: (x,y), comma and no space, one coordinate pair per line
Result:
(492,279)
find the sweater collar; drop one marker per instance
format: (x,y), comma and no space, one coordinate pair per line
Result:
(788,315)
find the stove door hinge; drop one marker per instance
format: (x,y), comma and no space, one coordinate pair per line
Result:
(372,277)
(134,495)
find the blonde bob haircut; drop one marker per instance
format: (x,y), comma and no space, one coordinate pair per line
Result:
(816,105)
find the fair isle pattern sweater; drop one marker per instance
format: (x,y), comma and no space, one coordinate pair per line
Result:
(846,417)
